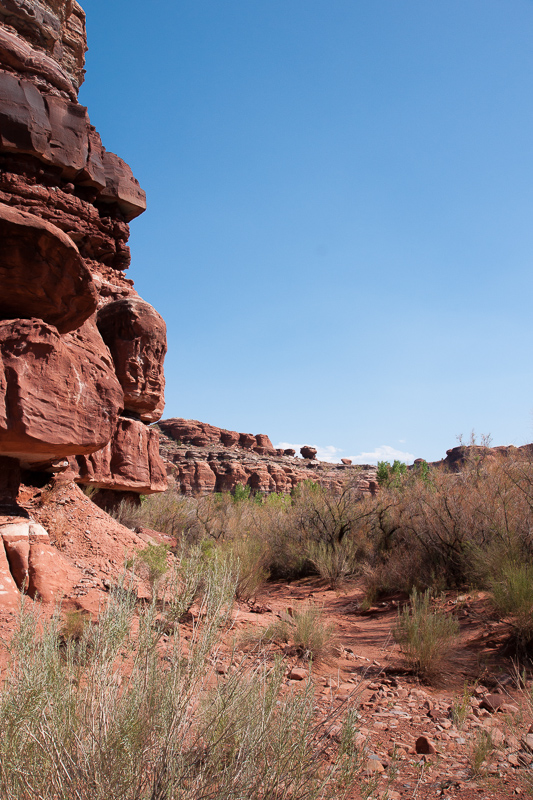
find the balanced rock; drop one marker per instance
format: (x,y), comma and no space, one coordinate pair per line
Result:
(308,452)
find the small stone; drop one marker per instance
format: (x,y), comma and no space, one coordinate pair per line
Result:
(298,674)
(373,765)
(492,702)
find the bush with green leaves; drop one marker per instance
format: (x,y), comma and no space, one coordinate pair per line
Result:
(424,634)
(388,475)
(151,564)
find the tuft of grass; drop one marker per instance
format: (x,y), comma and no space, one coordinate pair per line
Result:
(424,635)
(151,564)
(304,629)
(461,706)
(336,561)
(481,750)
(75,625)
(512,595)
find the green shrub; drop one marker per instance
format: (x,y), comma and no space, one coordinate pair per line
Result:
(388,475)
(424,635)
(151,564)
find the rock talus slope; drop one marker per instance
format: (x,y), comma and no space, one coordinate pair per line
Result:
(81,354)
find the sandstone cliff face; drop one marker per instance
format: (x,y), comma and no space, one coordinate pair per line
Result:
(81,354)
(202,458)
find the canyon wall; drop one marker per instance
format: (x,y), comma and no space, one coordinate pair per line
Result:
(202,458)
(81,354)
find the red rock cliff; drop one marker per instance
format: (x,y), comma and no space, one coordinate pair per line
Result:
(81,354)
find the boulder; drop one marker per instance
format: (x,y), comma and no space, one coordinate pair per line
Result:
(42,273)
(60,394)
(50,575)
(264,441)
(137,339)
(308,452)
(247,441)
(229,438)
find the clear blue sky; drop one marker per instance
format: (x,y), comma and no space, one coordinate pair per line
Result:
(340,203)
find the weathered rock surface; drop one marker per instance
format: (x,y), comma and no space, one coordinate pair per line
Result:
(202,458)
(65,204)
(130,462)
(9,593)
(50,576)
(136,336)
(52,39)
(58,133)
(61,393)
(201,434)
(42,273)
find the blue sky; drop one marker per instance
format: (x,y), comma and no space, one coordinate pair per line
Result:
(340,198)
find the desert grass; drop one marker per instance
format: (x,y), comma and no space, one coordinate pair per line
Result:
(110,714)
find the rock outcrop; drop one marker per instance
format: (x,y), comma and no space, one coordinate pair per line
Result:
(202,458)
(81,354)
(457,457)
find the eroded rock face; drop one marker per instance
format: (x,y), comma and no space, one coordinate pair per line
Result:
(61,393)
(201,434)
(201,459)
(457,457)
(65,204)
(137,338)
(53,33)
(42,273)
(130,462)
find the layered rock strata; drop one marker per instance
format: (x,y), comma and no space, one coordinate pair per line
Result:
(202,458)
(81,354)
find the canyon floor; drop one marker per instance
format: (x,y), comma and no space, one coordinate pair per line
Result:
(455,714)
